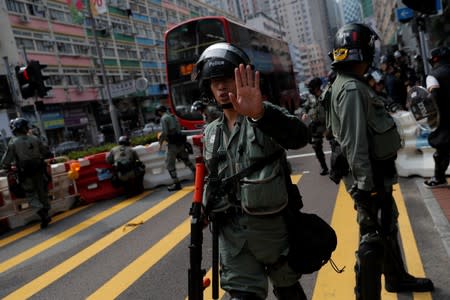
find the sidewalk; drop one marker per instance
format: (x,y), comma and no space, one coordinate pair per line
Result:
(438,203)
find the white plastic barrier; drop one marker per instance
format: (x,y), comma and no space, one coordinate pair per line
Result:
(416,155)
(62,194)
(155,170)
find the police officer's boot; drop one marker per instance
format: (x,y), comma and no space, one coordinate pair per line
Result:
(318,149)
(396,278)
(45,218)
(441,162)
(368,271)
(293,292)
(176,182)
(324,166)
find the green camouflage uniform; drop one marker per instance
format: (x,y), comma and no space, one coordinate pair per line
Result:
(28,153)
(369,141)
(253,233)
(126,163)
(170,128)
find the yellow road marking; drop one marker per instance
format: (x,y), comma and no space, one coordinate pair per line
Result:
(120,282)
(329,284)
(14,261)
(412,257)
(63,268)
(34,228)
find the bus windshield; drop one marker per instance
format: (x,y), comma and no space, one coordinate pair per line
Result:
(184,45)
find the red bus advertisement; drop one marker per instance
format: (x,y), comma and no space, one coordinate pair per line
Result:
(185,42)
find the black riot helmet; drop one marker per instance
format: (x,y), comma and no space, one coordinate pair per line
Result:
(440,54)
(124,140)
(198,106)
(20,125)
(354,42)
(314,84)
(218,60)
(160,109)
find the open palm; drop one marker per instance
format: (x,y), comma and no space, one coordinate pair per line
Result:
(248,98)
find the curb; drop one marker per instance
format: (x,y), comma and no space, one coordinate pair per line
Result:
(440,221)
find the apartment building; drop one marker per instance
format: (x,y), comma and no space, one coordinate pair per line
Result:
(59,34)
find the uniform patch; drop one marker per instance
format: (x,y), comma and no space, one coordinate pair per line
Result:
(349,86)
(211,139)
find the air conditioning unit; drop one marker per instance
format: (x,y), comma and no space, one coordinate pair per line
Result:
(25,19)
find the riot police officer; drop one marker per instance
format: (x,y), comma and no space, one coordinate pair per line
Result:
(315,111)
(209,113)
(369,140)
(438,84)
(253,234)
(28,153)
(171,133)
(127,166)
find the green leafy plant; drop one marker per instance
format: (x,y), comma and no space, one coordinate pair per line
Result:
(139,140)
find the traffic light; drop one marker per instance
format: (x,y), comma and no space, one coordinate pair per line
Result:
(26,85)
(38,79)
(426,7)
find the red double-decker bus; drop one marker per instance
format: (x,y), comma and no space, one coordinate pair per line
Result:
(185,42)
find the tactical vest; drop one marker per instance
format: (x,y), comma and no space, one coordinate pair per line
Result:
(124,162)
(263,192)
(384,139)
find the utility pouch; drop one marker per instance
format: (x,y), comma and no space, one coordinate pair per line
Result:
(384,138)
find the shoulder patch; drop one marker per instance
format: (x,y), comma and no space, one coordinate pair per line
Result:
(350,85)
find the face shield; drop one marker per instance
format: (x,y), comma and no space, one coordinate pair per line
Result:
(423,107)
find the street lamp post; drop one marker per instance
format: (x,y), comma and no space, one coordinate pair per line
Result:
(112,108)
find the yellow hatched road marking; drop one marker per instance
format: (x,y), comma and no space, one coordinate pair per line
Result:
(412,256)
(329,284)
(34,228)
(125,278)
(14,261)
(63,268)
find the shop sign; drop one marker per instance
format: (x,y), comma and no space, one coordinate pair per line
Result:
(123,88)
(52,120)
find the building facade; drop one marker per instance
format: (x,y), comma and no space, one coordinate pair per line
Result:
(59,34)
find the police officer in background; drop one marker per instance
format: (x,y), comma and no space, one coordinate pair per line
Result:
(395,87)
(253,235)
(208,113)
(171,133)
(28,153)
(438,84)
(127,166)
(369,140)
(315,111)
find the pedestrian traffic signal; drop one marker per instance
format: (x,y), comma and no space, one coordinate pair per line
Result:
(38,79)
(425,7)
(26,86)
